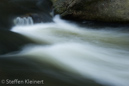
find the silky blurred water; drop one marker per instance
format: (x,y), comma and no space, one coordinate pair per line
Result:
(98,54)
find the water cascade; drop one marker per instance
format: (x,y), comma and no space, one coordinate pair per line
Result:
(23,21)
(101,55)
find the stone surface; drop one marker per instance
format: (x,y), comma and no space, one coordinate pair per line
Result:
(97,10)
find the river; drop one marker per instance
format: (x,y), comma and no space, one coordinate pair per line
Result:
(74,54)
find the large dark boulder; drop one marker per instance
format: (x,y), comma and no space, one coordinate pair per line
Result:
(97,10)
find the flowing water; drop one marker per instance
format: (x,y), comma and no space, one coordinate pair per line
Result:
(98,54)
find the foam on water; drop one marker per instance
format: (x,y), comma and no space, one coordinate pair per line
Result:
(100,55)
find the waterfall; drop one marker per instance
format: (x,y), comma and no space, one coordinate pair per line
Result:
(23,21)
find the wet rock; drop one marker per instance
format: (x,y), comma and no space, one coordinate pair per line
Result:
(97,10)
(12,42)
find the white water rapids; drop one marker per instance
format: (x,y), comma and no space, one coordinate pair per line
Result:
(101,55)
